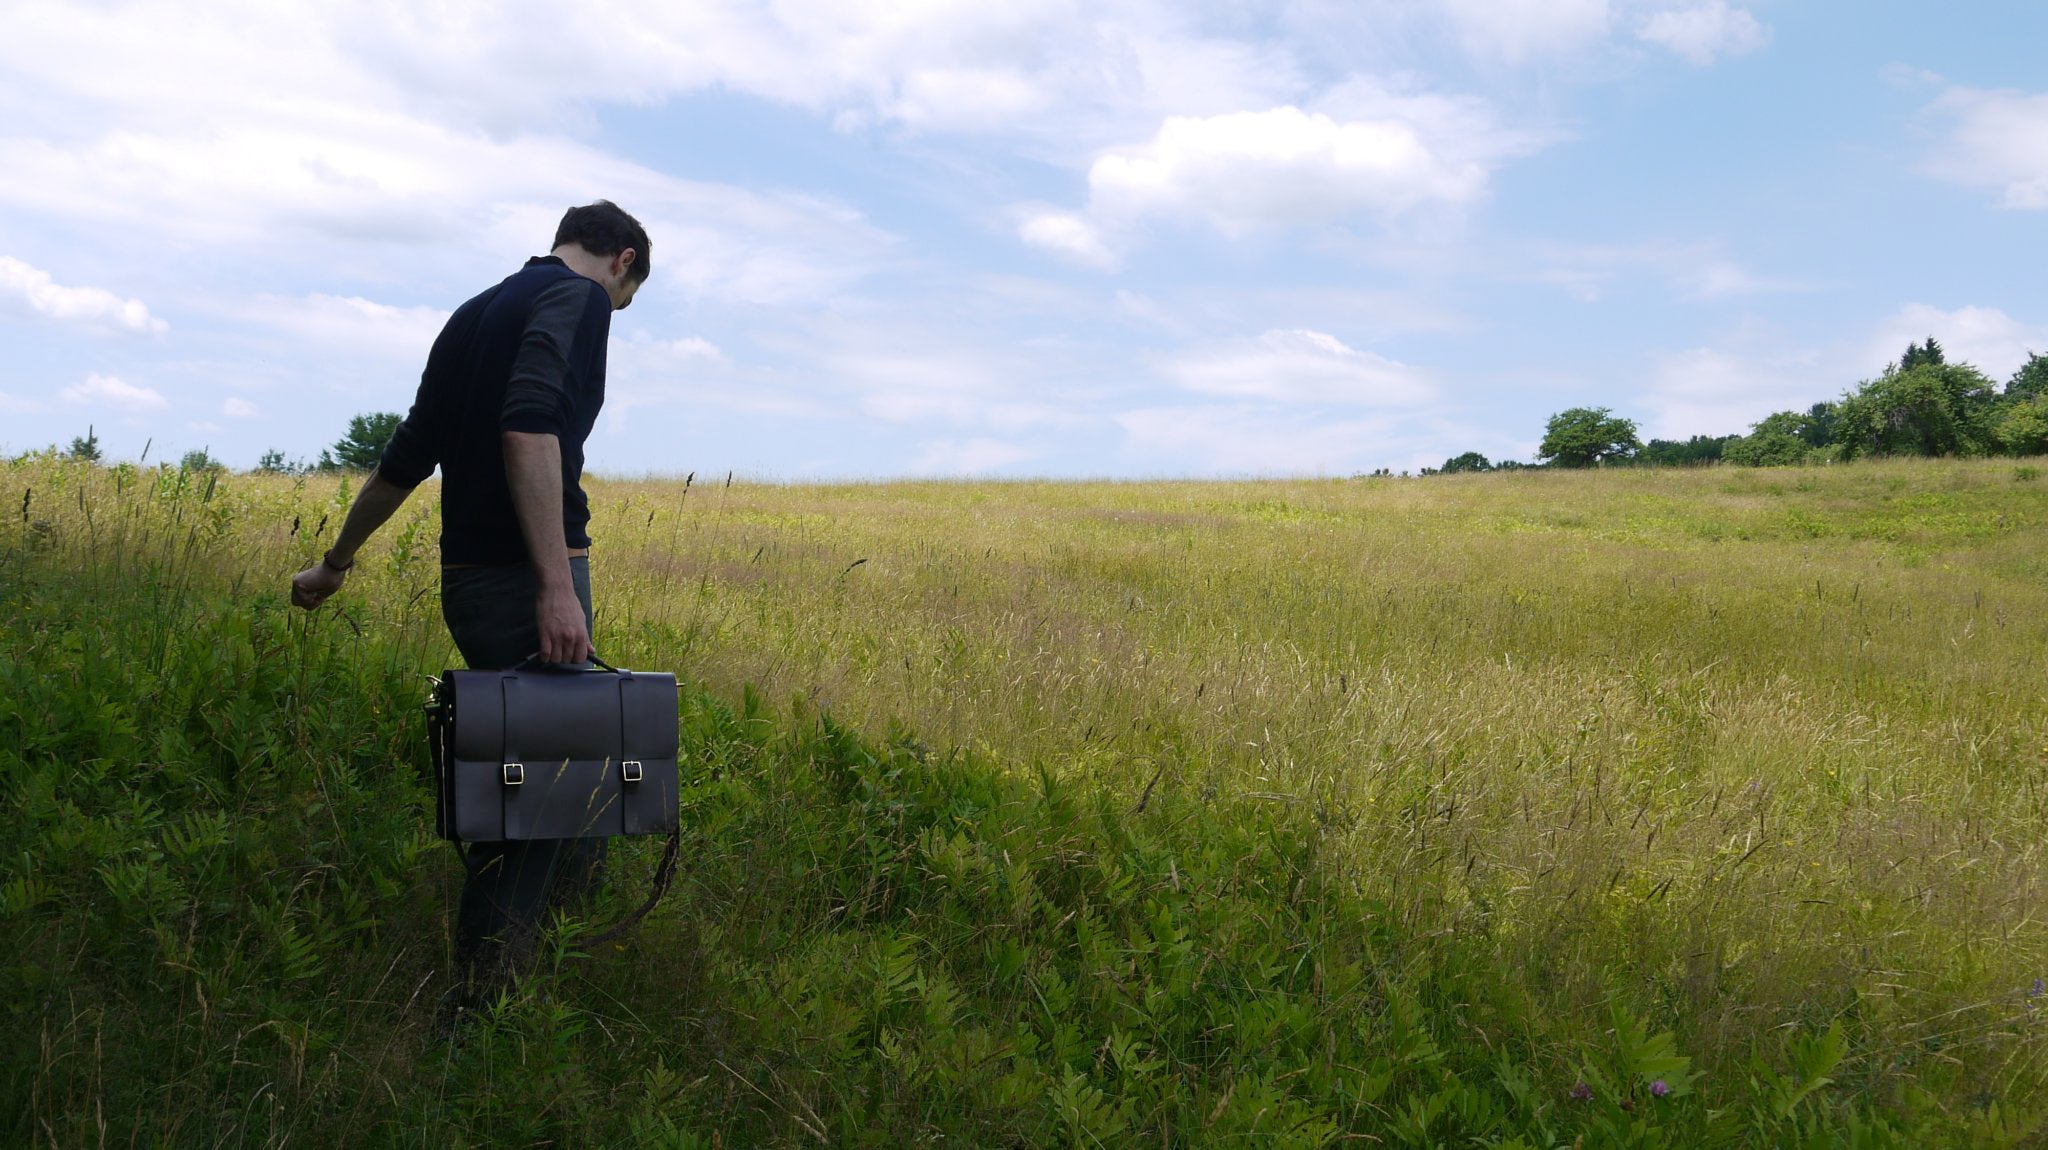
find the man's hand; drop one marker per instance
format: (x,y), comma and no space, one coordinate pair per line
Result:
(311,587)
(374,504)
(564,636)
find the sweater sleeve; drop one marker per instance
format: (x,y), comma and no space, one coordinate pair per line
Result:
(420,436)
(411,455)
(537,394)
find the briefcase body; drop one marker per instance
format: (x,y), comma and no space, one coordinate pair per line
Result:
(547,754)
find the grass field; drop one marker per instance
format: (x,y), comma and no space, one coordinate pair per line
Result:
(1453,811)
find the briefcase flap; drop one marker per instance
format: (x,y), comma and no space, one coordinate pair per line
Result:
(552,717)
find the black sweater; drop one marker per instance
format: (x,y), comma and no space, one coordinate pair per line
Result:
(527,355)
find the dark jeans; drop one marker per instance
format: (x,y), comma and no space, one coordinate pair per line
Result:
(510,886)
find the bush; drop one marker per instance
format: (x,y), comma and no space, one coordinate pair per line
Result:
(2023,430)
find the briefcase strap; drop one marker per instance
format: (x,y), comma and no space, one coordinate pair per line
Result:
(664,871)
(439,725)
(513,771)
(664,874)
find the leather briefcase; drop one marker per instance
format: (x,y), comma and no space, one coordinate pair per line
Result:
(533,753)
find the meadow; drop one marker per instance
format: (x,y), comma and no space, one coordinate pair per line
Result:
(1612,808)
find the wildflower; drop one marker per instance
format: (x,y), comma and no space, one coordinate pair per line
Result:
(2039,988)
(1580,1092)
(1660,1088)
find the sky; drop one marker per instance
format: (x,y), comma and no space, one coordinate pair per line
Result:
(1022,238)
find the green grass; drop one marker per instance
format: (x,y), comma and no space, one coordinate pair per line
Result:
(1285,813)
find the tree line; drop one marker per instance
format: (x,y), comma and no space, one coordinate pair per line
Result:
(358,449)
(1920,405)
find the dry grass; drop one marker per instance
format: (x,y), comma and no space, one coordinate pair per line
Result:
(1769,744)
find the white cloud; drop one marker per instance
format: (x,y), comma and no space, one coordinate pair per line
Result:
(442,130)
(339,179)
(1995,139)
(1049,68)
(1985,336)
(1257,439)
(967,456)
(110,391)
(1695,271)
(1150,312)
(1516,30)
(1704,33)
(1279,167)
(909,406)
(1298,366)
(18,405)
(959,386)
(1724,389)
(236,408)
(91,306)
(1361,148)
(1718,391)
(688,348)
(644,366)
(364,327)
(1068,235)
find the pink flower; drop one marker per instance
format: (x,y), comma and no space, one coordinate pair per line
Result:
(1660,1088)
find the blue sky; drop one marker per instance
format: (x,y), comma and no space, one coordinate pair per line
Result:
(1031,238)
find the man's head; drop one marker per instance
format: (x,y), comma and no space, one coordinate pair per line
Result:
(613,248)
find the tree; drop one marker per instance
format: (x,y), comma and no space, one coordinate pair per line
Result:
(86,447)
(1691,452)
(1470,461)
(2030,380)
(273,462)
(198,459)
(1922,355)
(363,446)
(1588,437)
(1773,441)
(1932,409)
(1819,428)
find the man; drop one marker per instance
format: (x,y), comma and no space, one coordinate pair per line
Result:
(511,390)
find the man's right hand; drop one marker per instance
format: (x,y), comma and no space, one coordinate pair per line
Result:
(564,635)
(311,587)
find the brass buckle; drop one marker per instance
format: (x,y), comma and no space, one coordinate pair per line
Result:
(515,774)
(630,770)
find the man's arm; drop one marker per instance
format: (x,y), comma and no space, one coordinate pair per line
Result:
(375,503)
(533,470)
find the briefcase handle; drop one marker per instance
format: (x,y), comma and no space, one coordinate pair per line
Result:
(534,661)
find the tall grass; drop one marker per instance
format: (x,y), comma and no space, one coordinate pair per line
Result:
(1770,743)
(1446,812)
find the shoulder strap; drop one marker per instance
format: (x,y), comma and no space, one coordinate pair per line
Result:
(664,872)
